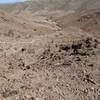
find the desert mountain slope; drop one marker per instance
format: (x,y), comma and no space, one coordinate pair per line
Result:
(35,5)
(50,50)
(87,20)
(16,28)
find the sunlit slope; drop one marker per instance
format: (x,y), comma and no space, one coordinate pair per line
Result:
(50,5)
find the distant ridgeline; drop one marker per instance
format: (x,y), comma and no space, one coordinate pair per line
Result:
(51,5)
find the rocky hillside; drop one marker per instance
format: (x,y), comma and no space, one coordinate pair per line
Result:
(35,5)
(50,50)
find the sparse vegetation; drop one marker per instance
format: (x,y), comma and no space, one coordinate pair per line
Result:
(50,50)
